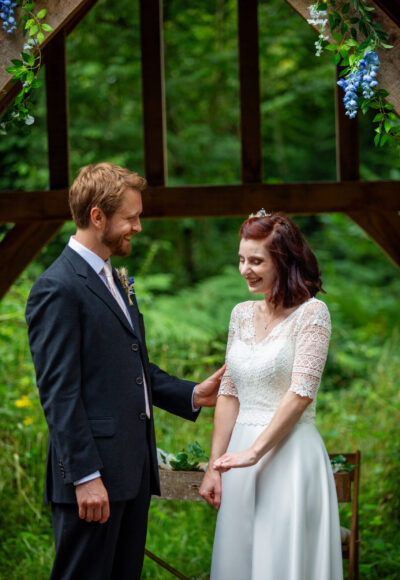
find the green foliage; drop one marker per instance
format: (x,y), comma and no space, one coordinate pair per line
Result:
(185,271)
(349,47)
(188,460)
(27,69)
(359,403)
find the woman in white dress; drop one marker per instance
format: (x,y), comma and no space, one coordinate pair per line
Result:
(269,473)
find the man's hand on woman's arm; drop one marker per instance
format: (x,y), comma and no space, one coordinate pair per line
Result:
(205,393)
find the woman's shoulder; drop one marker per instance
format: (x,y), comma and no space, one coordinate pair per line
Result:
(242,308)
(315,310)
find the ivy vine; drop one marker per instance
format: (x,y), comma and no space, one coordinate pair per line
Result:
(356,37)
(26,69)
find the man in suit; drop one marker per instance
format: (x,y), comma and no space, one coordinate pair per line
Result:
(97,386)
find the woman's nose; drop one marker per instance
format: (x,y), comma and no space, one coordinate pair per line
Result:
(244,269)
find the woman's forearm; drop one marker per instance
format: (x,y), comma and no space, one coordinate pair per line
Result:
(226,411)
(285,418)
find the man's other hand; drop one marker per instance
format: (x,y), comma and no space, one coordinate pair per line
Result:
(205,393)
(93,501)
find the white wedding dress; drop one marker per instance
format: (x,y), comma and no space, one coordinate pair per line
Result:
(278,519)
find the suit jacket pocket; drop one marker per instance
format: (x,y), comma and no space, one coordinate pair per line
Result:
(102,427)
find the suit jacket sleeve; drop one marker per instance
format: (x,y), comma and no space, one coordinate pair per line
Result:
(168,392)
(54,331)
(172,394)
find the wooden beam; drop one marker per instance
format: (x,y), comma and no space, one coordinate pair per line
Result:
(382,226)
(57,112)
(347,147)
(151,27)
(24,242)
(19,247)
(79,15)
(218,200)
(391,8)
(250,118)
(384,229)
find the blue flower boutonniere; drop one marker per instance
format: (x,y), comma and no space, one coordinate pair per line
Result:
(127,283)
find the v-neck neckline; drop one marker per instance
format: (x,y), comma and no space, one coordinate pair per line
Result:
(256,343)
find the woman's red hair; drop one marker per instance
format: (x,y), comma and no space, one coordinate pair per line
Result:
(298,275)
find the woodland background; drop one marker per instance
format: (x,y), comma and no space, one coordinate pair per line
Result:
(186,270)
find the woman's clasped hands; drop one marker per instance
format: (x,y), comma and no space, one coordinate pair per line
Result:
(244,458)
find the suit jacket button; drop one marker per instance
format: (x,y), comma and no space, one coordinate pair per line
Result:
(142,416)
(135,347)
(139,381)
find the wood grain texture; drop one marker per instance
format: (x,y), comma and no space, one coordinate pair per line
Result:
(153,91)
(250,117)
(219,200)
(19,247)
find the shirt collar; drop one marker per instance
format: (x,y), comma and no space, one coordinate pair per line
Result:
(90,257)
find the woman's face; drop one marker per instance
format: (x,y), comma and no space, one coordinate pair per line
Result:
(256,266)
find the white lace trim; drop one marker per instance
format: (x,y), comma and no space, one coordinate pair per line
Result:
(291,357)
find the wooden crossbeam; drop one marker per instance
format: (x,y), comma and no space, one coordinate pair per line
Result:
(19,247)
(384,229)
(392,9)
(250,118)
(153,91)
(219,200)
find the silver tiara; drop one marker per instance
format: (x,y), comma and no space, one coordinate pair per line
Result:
(261,213)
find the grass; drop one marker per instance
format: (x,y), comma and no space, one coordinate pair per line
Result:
(364,413)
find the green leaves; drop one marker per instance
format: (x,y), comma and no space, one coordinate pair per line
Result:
(26,70)
(42,13)
(348,52)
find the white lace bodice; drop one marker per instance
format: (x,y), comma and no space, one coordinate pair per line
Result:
(290,358)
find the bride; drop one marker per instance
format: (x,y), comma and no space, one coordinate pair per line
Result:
(269,473)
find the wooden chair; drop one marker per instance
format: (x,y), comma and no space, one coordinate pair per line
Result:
(347,487)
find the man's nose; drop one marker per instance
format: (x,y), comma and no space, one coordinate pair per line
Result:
(137,226)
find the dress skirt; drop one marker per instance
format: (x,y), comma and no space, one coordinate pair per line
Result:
(279,519)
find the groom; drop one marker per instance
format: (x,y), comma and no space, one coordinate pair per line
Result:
(97,386)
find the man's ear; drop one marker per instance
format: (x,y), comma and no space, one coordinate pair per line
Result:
(97,217)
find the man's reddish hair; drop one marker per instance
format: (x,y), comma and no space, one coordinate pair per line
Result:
(298,275)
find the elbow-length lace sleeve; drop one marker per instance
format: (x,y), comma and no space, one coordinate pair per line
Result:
(227,386)
(311,350)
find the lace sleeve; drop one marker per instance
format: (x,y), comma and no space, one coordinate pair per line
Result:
(227,386)
(311,350)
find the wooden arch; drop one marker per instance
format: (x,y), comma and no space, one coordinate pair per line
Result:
(38,215)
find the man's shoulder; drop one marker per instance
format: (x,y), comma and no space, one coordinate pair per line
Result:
(58,274)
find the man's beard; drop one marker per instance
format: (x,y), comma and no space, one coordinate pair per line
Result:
(117,245)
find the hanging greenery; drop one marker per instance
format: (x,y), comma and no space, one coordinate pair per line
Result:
(25,69)
(356,37)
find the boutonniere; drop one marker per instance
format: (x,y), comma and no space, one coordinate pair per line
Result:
(127,283)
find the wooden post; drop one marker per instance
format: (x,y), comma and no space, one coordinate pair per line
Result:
(250,118)
(151,23)
(347,147)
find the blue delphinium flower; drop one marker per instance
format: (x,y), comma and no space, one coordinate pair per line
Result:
(7,15)
(364,75)
(369,66)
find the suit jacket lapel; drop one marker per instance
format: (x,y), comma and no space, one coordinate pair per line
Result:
(97,286)
(132,309)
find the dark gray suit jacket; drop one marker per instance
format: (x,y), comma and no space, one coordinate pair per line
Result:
(88,363)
